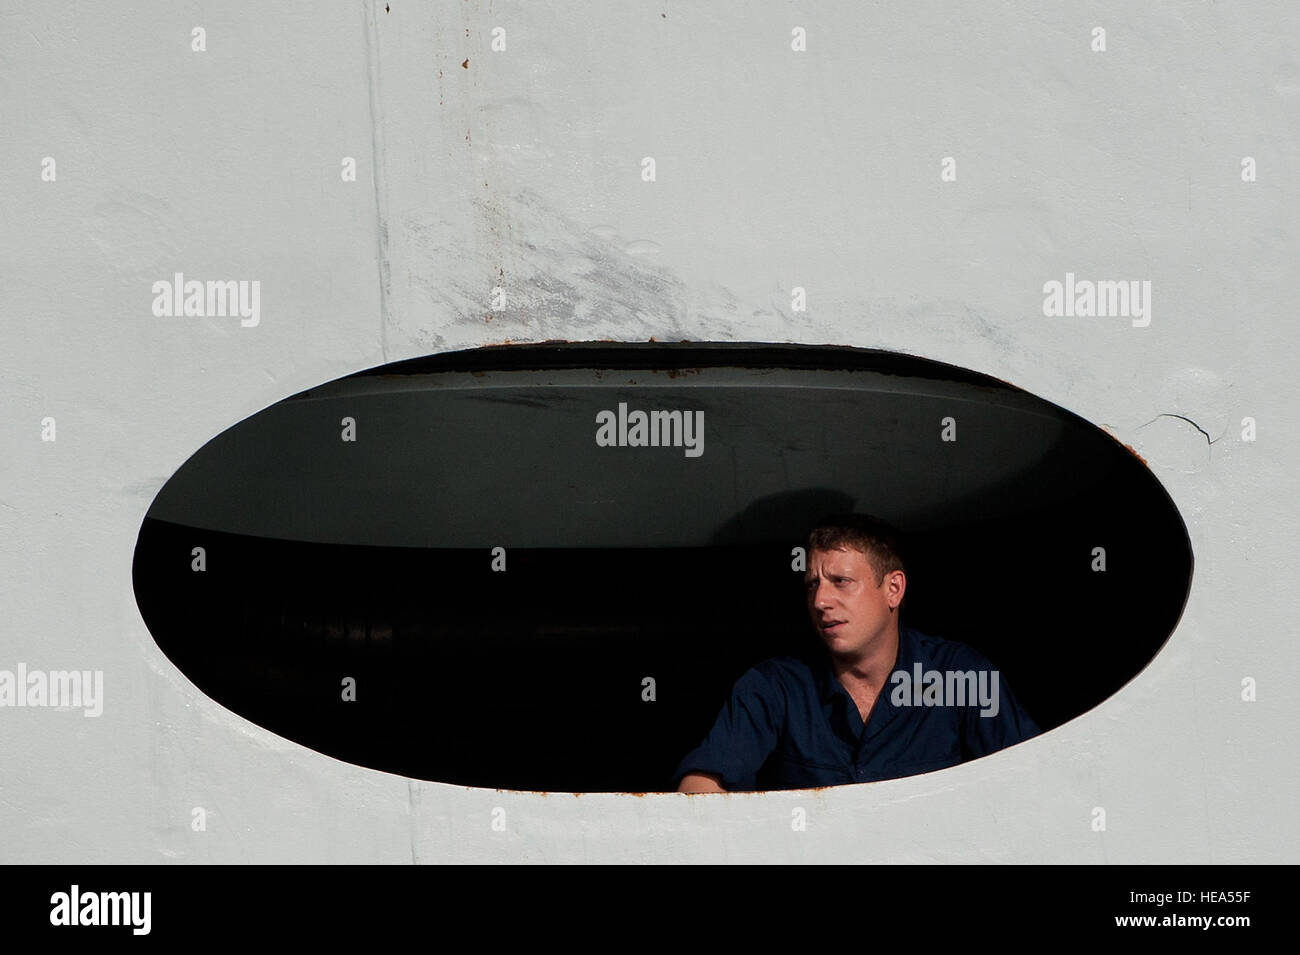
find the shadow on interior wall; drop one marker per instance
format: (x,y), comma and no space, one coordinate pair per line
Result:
(442,572)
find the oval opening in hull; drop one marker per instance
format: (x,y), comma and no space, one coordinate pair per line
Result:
(464,568)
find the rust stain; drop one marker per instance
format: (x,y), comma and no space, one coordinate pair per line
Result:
(558,792)
(549,341)
(1135,454)
(465,65)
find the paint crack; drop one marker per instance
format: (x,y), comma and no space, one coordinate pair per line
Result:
(1167,414)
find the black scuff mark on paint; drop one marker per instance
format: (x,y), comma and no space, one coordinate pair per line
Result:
(562,275)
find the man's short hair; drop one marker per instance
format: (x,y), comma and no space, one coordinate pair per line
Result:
(880,542)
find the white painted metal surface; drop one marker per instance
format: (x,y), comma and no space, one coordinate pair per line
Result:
(522,169)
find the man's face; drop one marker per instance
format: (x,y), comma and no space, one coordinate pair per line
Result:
(849,610)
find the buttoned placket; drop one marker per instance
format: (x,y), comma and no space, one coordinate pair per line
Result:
(838,705)
(883,712)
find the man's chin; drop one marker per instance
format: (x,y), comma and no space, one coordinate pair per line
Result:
(839,645)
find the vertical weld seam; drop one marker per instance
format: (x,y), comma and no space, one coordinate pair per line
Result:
(413,802)
(378,155)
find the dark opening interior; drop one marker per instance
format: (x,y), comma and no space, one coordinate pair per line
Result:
(532,679)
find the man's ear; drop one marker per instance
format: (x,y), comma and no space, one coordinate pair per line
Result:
(897,587)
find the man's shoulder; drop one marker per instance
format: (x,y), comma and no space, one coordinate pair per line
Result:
(782,667)
(944,653)
(784,672)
